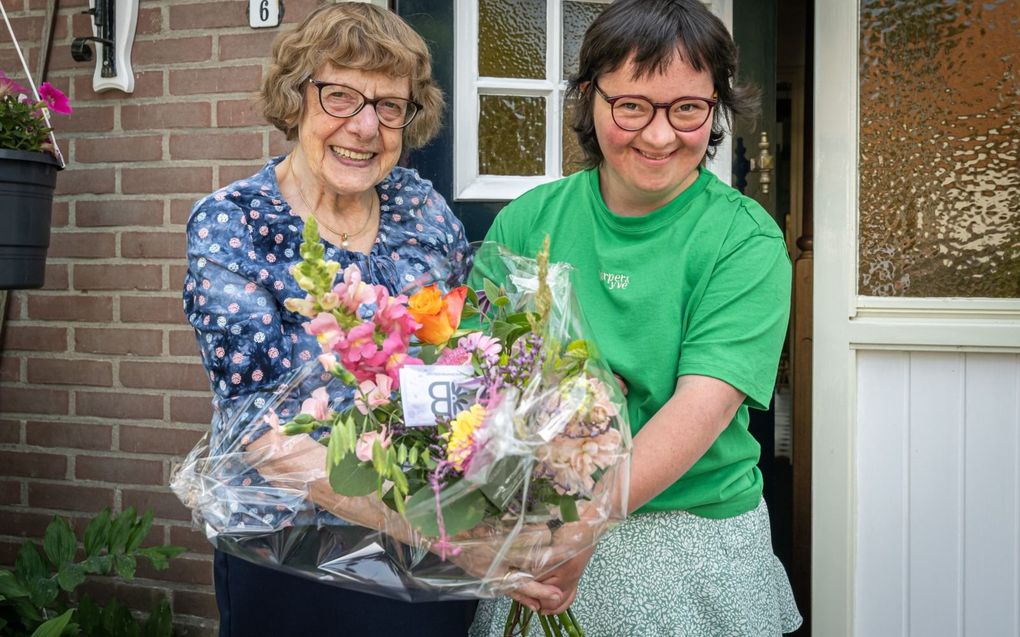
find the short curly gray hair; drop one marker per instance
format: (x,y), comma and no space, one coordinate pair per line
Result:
(352,35)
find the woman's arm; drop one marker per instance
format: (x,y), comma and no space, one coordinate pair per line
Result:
(300,462)
(679,434)
(666,447)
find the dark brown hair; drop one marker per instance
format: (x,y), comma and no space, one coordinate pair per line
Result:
(653,32)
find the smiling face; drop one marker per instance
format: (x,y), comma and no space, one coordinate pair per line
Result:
(349,156)
(646,169)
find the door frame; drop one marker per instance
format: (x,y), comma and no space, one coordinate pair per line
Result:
(834,375)
(845,323)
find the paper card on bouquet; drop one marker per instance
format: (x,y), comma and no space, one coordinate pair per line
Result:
(428,392)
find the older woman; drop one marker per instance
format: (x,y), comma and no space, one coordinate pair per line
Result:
(352,85)
(687,285)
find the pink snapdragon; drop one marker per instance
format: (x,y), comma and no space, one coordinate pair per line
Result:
(318,405)
(372,394)
(363,448)
(352,292)
(326,330)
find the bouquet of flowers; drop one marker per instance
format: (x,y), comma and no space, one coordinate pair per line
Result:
(474,435)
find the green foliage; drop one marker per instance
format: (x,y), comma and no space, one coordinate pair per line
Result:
(23,127)
(461,511)
(38,597)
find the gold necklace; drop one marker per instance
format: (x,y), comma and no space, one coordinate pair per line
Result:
(345,237)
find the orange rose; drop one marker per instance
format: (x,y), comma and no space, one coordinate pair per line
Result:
(439,316)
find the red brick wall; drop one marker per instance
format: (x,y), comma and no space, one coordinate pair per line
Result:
(101,390)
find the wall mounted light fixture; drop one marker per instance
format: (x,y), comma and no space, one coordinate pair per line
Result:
(113,31)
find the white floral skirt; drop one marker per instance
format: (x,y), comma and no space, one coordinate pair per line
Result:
(677,574)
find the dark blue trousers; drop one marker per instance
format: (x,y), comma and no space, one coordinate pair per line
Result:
(256,601)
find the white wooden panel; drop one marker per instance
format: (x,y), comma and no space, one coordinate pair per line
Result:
(992,512)
(882,453)
(936,493)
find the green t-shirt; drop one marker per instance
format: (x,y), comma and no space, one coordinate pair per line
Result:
(700,286)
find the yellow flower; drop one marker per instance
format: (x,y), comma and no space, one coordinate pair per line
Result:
(461,442)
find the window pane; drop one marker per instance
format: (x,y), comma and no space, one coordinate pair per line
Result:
(572,155)
(939,149)
(577,17)
(511,135)
(511,38)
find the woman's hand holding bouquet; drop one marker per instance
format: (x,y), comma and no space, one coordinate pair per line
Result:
(477,426)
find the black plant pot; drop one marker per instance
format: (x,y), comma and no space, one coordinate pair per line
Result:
(27,181)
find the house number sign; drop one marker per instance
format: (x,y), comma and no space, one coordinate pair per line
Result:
(264,14)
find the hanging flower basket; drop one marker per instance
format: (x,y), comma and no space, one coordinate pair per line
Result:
(27,181)
(29,161)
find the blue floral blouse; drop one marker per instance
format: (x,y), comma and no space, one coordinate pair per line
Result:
(242,241)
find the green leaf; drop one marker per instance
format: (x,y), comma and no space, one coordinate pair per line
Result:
(139,531)
(568,508)
(70,576)
(28,566)
(160,556)
(500,301)
(90,616)
(27,611)
(460,513)
(59,542)
(42,591)
(160,622)
(121,530)
(334,448)
(10,587)
(98,564)
(54,627)
(97,534)
(351,477)
(125,565)
(429,354)
(491,291)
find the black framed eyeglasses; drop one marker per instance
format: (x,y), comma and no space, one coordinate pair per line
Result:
(340,100)
(635,112)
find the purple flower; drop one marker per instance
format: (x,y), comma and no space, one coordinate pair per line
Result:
(56,100)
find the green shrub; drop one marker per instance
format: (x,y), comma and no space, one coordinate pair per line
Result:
(37,598)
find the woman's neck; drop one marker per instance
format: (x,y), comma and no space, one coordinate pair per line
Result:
(315,198)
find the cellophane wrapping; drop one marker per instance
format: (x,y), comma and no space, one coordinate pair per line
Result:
(529,468)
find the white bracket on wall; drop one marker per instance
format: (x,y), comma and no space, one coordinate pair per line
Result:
(113,31)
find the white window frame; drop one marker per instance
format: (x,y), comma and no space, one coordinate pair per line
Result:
(468,86)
